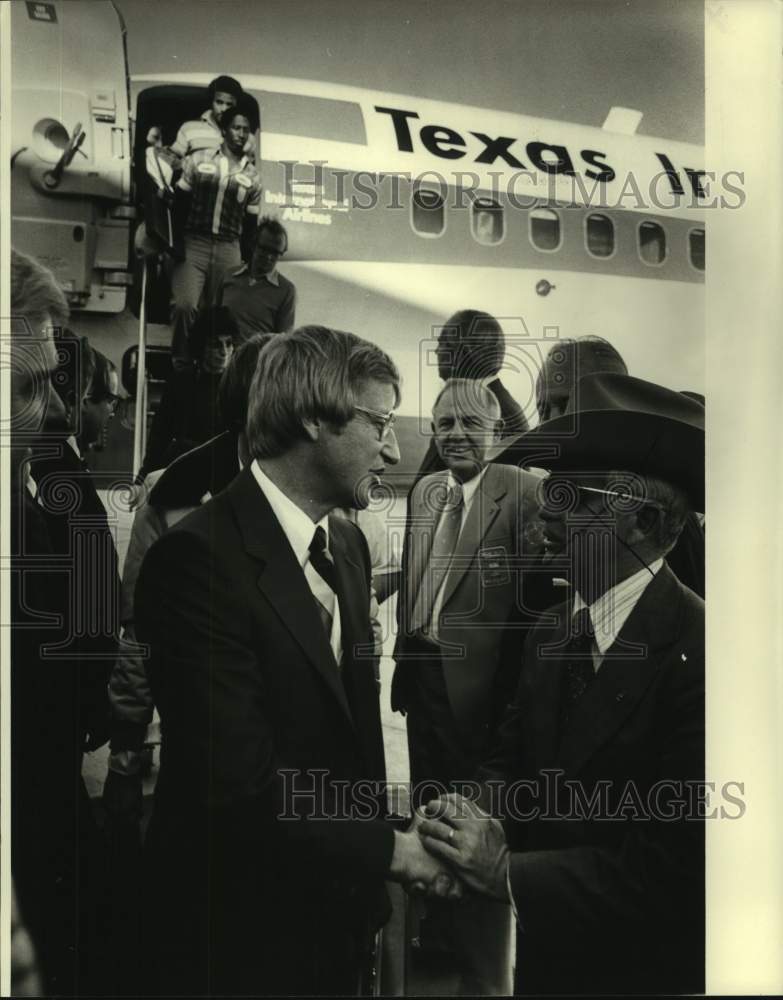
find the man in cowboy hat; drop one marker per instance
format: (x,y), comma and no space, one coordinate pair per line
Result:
(601,756)
(569,360)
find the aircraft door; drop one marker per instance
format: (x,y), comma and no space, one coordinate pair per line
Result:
(70,145)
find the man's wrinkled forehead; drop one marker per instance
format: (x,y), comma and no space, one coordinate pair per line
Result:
(468,401)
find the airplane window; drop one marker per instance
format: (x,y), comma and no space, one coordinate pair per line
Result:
(487,221)
(696,247)
(544,229)
(599,230)
(314,117)
(652,243)
(428,212)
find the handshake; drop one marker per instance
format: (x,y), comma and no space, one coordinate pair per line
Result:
(452,846)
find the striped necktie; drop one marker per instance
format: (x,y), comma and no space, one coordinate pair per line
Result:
(441,553)
(321,561)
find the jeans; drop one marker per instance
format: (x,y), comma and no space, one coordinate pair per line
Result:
(195,282)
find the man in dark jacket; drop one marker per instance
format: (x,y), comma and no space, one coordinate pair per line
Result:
(55,848)
(601,755)
(267,848)
(568,361)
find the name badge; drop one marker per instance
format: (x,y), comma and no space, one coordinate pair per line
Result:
(493,564)
(207,168)
(244,181)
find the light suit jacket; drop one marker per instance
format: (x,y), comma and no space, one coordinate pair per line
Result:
(492,593)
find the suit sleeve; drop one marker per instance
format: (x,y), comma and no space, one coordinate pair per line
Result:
(568,891)
(214,707)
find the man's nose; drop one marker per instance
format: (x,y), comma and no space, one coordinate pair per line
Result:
(391,449)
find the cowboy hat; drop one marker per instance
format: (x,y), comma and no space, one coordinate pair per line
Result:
(615,421)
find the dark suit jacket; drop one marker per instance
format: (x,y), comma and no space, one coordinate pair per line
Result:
(203,472)
(81,538)
(245,681)
(488,601)
(56,846)
(611,905)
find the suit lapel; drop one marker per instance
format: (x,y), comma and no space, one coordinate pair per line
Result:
(546,682)
(483,511)
(626,672)
(282,581)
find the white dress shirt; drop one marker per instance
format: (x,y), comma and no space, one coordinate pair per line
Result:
(611,611)
(299,530)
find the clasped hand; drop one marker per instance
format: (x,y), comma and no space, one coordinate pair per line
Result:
(419,871)
(452,846)
(469,842)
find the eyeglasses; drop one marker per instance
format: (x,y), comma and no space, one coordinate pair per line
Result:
(383,422)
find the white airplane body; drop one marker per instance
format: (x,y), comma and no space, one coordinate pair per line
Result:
(400,210)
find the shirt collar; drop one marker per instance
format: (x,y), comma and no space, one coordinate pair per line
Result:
(298,527)
(232,168)
(209,118)
(272,277)
(469,488)
(74,444)
(611,611)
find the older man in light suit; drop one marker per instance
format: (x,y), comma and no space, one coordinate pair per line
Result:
(464,606)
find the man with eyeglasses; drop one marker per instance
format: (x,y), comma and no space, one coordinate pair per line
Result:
(261,299)
(590,819)
(268,847)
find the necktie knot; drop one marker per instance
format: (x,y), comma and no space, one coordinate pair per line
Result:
(321,559)
(582,625)
(318,543)
(453,498)
(578,661)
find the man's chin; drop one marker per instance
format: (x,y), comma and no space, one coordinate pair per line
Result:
(463,469)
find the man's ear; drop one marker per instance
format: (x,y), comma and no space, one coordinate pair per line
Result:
(312,429)
(498,431)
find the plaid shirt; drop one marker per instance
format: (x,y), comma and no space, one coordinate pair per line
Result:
(203,133)
(222,192)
